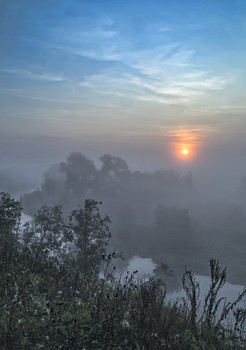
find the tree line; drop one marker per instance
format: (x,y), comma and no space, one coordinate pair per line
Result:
(137,200)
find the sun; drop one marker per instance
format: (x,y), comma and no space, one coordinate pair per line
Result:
(184,146)
(185,151)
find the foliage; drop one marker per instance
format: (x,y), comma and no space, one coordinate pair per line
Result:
(46,236)
(80,173)
(60,301)
(213,324)
(122,190)
(10,211)
(90,233)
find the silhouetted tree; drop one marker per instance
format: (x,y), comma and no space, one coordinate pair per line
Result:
(91,235)
(10,212)
(46,235)
(80,173)
(113,165)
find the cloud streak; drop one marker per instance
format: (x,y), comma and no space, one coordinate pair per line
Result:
(37,75)
(164,74)
(139,72)
(164,71)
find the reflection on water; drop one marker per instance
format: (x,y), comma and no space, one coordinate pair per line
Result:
(145,268)
(230,293)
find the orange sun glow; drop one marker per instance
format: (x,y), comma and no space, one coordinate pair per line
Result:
(185,145)
(185,151)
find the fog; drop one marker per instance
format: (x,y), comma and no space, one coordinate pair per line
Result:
(180,215)
(134,82)
(123,149)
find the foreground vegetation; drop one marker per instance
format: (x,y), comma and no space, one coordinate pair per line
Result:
(53,297)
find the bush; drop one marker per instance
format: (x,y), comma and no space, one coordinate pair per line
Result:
(53,304)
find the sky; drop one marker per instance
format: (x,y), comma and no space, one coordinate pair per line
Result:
(138,79)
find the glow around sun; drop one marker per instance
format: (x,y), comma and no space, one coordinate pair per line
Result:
(185,151)
(185,145)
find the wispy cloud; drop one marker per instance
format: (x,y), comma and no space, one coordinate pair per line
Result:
(162,71)
(35,75)
(162,90)
(229,109)
(165,74)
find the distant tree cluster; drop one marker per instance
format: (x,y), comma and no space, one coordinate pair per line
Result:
(53,297)
(78,177)
(131,197)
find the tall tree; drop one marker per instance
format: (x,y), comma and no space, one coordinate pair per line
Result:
(80,173)
(115,165)
(91,236)
(10,212)
(46,235)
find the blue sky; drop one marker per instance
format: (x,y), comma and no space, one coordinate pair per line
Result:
(112,74)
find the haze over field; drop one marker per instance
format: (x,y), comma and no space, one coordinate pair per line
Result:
(122,174)
(160,84)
